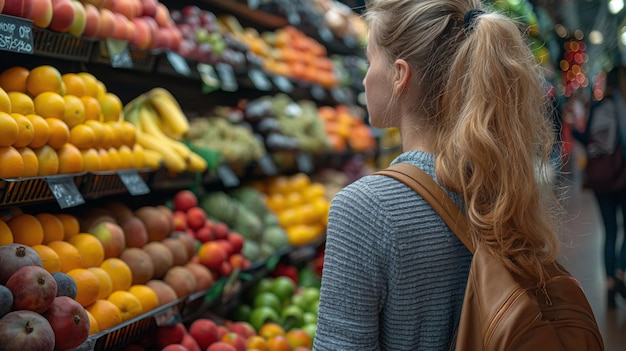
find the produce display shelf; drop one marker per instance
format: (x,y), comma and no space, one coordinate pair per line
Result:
(163,179)
(62,45)
(28,190)
(128,57)
(106,183)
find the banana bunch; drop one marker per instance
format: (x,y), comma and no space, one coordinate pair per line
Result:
(160,124)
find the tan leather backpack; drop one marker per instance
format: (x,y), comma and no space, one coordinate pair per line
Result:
(499,312)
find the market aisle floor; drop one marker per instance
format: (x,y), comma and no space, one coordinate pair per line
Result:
(582,255)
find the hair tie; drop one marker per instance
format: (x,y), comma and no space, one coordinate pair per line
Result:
(469,19)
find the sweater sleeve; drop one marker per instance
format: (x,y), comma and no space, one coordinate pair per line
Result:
(354,280)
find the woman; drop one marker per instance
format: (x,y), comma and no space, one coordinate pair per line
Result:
(462,87)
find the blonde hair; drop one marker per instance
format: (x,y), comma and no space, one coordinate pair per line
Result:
(485,103)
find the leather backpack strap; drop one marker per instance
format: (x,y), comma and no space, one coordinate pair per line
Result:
(424,185)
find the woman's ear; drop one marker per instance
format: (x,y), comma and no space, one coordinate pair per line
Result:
(402,75)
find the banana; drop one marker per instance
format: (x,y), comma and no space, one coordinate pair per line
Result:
(169,111)
(171,159)
(196,163)
(152,159)
(149,124)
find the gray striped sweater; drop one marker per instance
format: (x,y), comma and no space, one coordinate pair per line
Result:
(394,275)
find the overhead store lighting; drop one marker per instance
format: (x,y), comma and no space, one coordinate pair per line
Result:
(615,6)
(596,37)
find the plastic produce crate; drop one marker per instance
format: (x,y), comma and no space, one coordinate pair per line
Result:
(62,45)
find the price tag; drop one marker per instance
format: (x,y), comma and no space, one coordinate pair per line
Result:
(16,34)
(209,78)
(325,34)
(65,191)
(227,77)
(133,182)
(318,92)
(259,79)
(179,64)
(253,4)
(267,165)
(305,162)
(339,95)
(227,176)
(302,254)
(283,83)
(119,54)
(169,316)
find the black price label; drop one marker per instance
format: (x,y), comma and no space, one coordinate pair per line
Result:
(259,79)
(305,162)
(119,54)
(179,64)
(227,77)
(318,92)
(267,165)
(283,83)
(227,176)
(302,254)
(210,81)
(168,317)
(339,95)
(325,34)
(133,182)
(16,35)
(253,4)
(65,191)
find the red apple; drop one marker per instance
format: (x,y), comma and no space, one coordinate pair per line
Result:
(221,331)
(236,340)
(149,7)
(42,13)
(226,246)
(221,346)
(184,200)
(121,28)
(107,24)
(26,330)
(1,5)
(177,38)
(190,343)
(162,15)
(243,328)
(69,322)
(123,7)
(236,241)
(62,15)
(168,335)
(180,221)
(96,3)
(174,347)
(92,21)
(204,234)
(131,30)
(221,230)
(80,19)
(19,8)
(111,236)
(204,331)
(33,289)
(196,218)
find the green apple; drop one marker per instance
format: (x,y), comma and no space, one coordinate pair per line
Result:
(313,307)
(263,314)
(311,295)
(293,317)
(261,286)
(310,329)
(300,301)
(267,299)
(283,287)
(309,318)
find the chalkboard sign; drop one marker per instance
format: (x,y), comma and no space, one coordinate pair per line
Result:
(16,34)
(119,54)
(318,92)
(179,64)
(133,182)
(267,165)
(259,79)
(305,162)
(65,191)
(283,83)
(227,77)
(227,176)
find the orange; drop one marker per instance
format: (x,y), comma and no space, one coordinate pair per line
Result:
(301,234)
(101,90)
(299,182)
(93,112)
(6,237)
(105,313)
(275,202)
(299,338)
(129,304)
(21,103)
(91,84)
(105,160)
(128,133)
(271,329)
(43,78)
(313,191)
(26,130)
(49,104)
(121,275)
(71,226)
(293,199)
(11,162)
(74,84)
(5,101)
(52,227)
(93,323)
(41,131)
(278,343)
(9,130)
(111,106)
(14,79)
(126,157)
(70,256)
(107,135)
(98,132)
(26,229)
(114,158)
(87,286)
(50,259)
(48,160)
(70,159)
(256,342)
(74,110)
(31,162)
(82,136)
(90,249)
(59,132)
(91,160)
(146,296)
(106,284)
(139,157)
(118,131)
